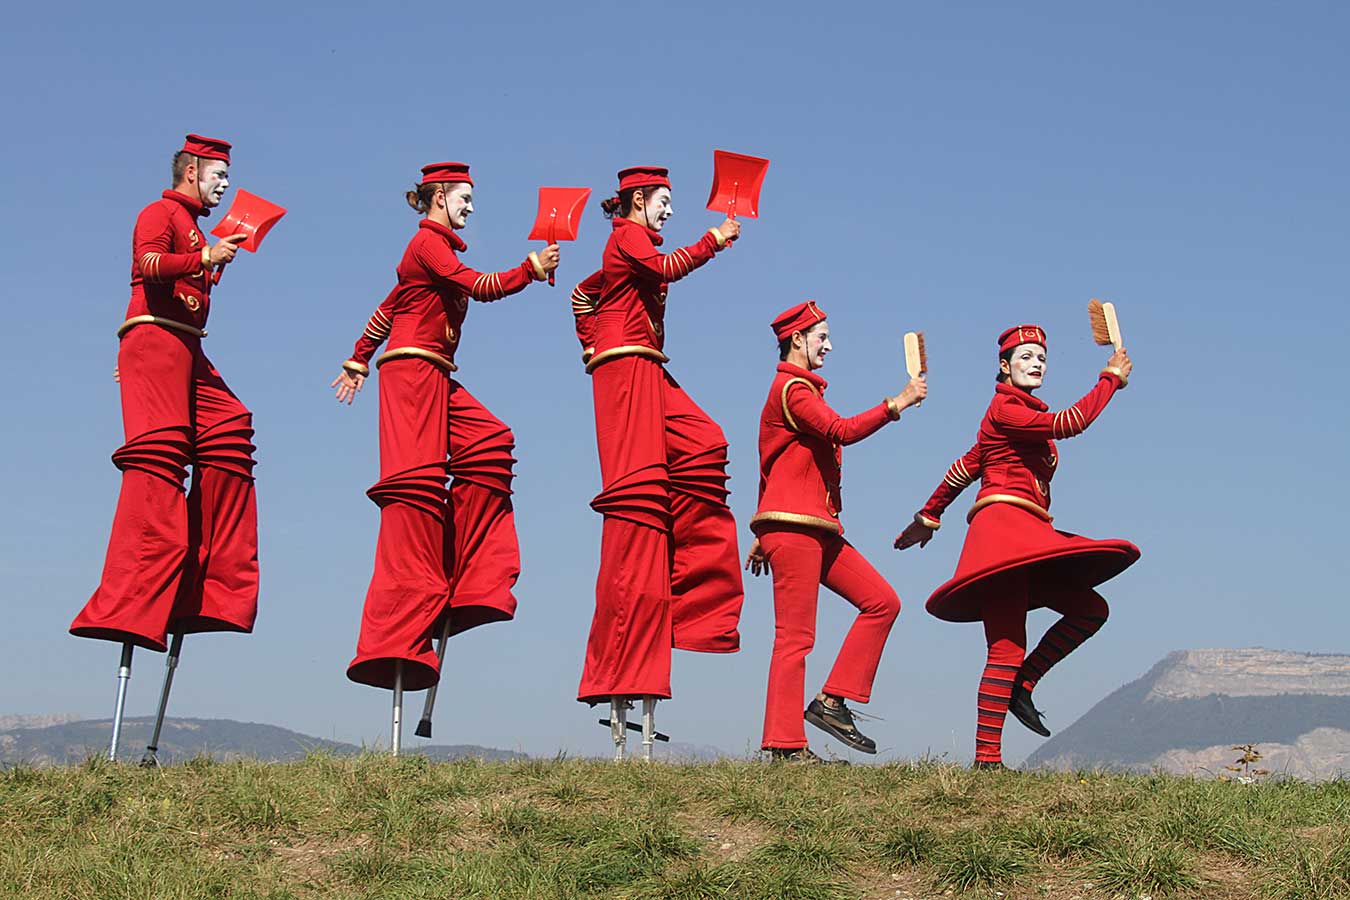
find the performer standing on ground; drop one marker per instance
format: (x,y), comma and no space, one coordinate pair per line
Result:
(800,539)
(669,563)
(441,553)
(1013,559)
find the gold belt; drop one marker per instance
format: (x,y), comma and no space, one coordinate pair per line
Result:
(626,350)
(162,322)
(1023,502)
(797,519)
(417,353)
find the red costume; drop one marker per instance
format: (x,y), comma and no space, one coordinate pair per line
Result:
(178,560)
(1014,559)
(798,527)
(669,567)
(440,552)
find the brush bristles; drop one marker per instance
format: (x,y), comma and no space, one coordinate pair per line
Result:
(923,353)
(1101,333)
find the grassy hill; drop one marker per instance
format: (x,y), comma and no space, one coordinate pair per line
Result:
(374,827)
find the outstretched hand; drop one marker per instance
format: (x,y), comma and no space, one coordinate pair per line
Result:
(348,386)
(1121,360)
(914,533)
(730,229)
(548,257)
(757,562)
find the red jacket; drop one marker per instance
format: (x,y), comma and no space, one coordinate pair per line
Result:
(1014,455)
(426,309)
(799,450)
(168,278)
(630,317)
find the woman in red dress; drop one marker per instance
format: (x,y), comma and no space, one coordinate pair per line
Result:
(669,564)
(1013,559)
(441,553)
(799,538)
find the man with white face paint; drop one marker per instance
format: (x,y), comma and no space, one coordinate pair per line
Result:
(180,562)
(669,563)
(799,538)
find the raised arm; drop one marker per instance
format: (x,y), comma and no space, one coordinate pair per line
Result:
(446,268)
(808,413)
(1021,423)
(642,254)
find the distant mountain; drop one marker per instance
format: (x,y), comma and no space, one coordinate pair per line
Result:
(1187,712)
(182,739)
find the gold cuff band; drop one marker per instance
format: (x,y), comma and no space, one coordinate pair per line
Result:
(356,368)
(932,524)
(162,322)
(797,519)
(539,273)
(892,408)
(417,353)
(626,350)
(717,233)
(1023,502)
(206,257)
(1115,370)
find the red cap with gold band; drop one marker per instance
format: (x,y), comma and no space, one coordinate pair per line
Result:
(643,176)
(798,318)
(207,148)
(436,173)
(1021,334)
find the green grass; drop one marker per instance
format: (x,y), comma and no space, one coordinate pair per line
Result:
(374,828)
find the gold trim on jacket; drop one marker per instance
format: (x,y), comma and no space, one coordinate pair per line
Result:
(1023,502)
(787,416)
(626,350)
(162,322)
(417,353)
(796,519)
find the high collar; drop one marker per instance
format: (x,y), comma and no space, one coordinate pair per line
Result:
(1021,396)
(191,204)
(456,242)
(797,371)
(626,222)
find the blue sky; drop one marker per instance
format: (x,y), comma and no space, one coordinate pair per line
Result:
(954,170)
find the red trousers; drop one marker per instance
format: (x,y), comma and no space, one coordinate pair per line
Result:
(1082,610)
(441,551)
(801,560)
(177,560)
(670,571)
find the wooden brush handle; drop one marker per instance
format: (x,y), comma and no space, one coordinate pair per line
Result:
(913,364)
(1112,324)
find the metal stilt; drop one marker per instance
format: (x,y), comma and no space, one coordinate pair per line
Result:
(123,676)
(618,726)
(150,760)
(424,726)
(648,727)
(396,734)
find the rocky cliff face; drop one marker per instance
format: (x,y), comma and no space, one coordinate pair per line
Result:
(1187,712)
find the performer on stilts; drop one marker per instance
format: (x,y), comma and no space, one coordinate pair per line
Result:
(446,559)
(1014,559)
(669,563)
(180,561)
(799,538)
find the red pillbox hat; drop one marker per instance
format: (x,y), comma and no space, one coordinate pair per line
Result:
(643,176)
(207,148)
(446,172)
(1021,334)
(798,318)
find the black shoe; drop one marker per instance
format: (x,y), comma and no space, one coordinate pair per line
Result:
(837,722)
(987,764)
(1026,713)
(801,756)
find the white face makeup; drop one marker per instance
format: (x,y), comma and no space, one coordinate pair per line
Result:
(1026,369)
(656,207)
(213,177)
(459,204)
(817,345)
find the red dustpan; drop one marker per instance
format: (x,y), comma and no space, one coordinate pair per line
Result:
(559,215)
(737,179)
(251,215)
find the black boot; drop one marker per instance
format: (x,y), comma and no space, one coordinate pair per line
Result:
(802,756)
(1026,713)
(837,721)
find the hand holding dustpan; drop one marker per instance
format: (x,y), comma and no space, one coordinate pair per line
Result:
(559,216)
(245,225)
(737,179)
